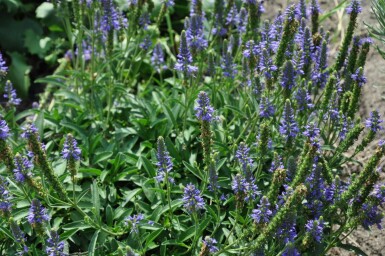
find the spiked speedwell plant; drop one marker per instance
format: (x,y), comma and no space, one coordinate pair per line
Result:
(229,139)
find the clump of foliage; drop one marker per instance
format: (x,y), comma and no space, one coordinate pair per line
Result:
(228,139)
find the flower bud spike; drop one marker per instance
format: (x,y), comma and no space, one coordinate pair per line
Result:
(365,47)
(291,203)
(353,9)
(315,10)
(359,80)
(350,139)
(279,177)
(289,30)
(31,134)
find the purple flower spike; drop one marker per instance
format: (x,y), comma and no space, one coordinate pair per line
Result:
(354,7)
(192,200)
(10,94)
(23,167)
(37,213)
(315,7)
(184,58)
(70,149)
(290,250)
(5,197)
(164,163)
(28,130)
(359,77)
(288,76)
(194,33)
(374,121)
(55,247)
(111,18)
(315,228)
(244,158)
(379,193)
(289,127)
(210,243)
(266,108)
(4,130)
(263,213)
(3,66)
(157,58)
(204,111)
(133,221)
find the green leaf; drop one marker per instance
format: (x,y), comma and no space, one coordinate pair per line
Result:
(91,171)
(109,215)
(187,234)
(74,127)
(193,170)
(152,236)
(95,198)
(19,73)
(102,156)
(36,44)
(92,245)
(7,233)
(44,10)
(148,166)
(170,116)
(79,225)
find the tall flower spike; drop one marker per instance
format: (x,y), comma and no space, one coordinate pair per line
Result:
(111,19)
(228,66)
(157,58)
(192,199)
(37,215)
(288,80)
(23,168)
(242,20)
(10,94)
(41,160)
(267,67)
(263,213)
(196,7)
(16,231)
(374,121)
(164,163)
(70,149)
(320,74)
(288,127)
(289,30)
(204,111)
(219,19)
(301,10)
(231,19)
(244,159)
(353,9)
(266,108)
(303,99)
(209,244)
(5,198)
(194,34)
(4,130)
(184,58)
(71,152)
(315,10)
(3,66)
(54,246)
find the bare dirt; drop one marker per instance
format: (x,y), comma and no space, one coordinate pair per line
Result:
(373,98)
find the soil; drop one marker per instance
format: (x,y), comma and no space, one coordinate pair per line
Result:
(373,98)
